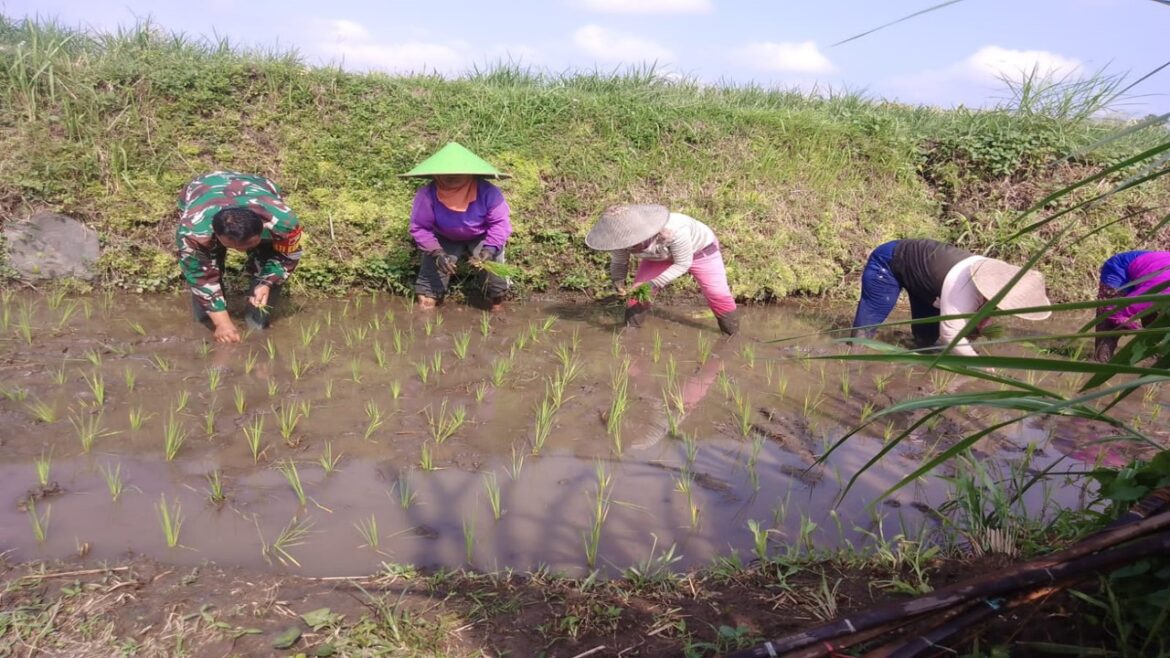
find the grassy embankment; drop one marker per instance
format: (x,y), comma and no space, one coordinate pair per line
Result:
(108,127)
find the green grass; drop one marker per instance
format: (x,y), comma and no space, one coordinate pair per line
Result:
(792,168)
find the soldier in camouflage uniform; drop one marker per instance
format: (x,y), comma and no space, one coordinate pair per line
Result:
(229,210)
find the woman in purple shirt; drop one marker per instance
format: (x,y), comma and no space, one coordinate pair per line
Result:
(458,213)
(1129,274)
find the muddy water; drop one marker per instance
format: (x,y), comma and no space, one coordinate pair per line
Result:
(335,366)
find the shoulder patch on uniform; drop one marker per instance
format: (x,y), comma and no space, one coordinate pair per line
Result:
(289,243)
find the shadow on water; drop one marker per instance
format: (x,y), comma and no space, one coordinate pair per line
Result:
(374,381)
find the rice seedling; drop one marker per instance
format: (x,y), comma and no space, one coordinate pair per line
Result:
(89,429)
(17,394)
(306,406)
(685,484)
(270,348)
(137,417)
(253,432)
(328,389)
(389,316)
(379,354)
(615,345)
(130,378)
(481,390)
(94,357)
(296,366)
(181,400)
(161,363)
(437,364)
(395,389)
(544,417)
(520,343)
(214,379)
(67,314)
(329,318)
(6,309)
(620,403)
(492,487)
(287,418)
(215,487)
(748,354)
(429,326)
(209,419)
(273,387)
(327,354)
(39,522)
(97,386)
(328,460)
(58,375)
(498,269)
(368,529)
(288,469)
(294,534)
(759,539)
(42,411)
(375,419)
(87,311)
(355,371)
(171,519)
(880,383)
(426,460)
(812,402)
(399,342)
(406,493)
(24,323)
(355,336)
(485,324)
(55,298)
(444,424)
(239,398)
(44,466)
(113,478)
(845,384)
(723,380)
(671,372)
(656,349)
(174,436)
(691,445)
(743,413)
(704,349)
(423,368)
(867,410)
(754,452)
(534,332)
(308,333)
(517,463)
(469,538)
(781,387)
(461,342)
(500,369)
(600,510)
(204,349)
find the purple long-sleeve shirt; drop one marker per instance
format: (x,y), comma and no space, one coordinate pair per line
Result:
(486,218)
(1152,271)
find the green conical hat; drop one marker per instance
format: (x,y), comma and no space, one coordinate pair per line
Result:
(455,158)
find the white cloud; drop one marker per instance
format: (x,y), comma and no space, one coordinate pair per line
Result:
(977,78)
(994,62)
(785,57)
(352,43)
(648,6)
(614,46)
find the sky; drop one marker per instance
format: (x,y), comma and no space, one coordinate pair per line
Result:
(952,56)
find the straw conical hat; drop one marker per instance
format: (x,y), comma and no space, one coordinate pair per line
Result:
(454,158)
(991,275)
(621,227)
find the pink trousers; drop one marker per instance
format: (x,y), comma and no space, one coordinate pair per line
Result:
(708,271)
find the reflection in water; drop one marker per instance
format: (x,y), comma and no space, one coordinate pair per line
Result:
(710,441)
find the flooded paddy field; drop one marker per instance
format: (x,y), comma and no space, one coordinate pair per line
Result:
(357,432)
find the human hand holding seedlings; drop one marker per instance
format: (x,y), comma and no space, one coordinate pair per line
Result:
(482,254)
(259,297)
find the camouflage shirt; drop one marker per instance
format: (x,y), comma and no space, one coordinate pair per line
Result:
(200,252)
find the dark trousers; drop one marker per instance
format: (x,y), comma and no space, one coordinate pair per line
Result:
(433,283)
(879,294)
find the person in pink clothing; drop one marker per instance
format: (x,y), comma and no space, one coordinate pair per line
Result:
(667,245)
(1129,274)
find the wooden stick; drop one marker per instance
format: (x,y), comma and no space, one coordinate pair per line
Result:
(66,574)
(590,652)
